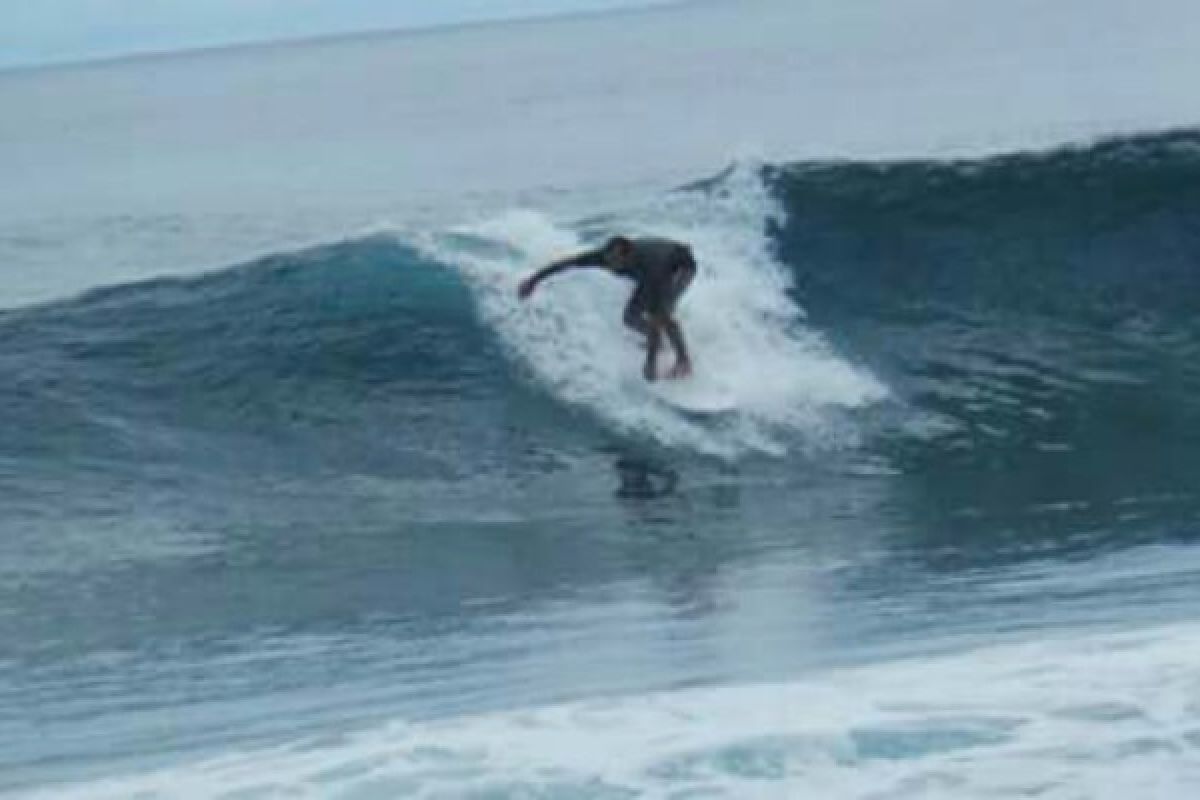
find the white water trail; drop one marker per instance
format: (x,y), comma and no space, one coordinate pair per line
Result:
(747,336)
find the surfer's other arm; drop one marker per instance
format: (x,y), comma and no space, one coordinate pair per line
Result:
(592,258)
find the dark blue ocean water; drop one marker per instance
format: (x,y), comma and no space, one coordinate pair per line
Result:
(350,520)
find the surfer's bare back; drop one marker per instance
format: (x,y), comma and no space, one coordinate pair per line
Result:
(662,269)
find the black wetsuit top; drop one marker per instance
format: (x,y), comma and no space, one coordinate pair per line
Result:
(654,266)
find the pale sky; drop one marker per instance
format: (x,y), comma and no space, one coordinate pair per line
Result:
(48,31)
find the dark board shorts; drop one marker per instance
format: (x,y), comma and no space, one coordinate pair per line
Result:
(659,294)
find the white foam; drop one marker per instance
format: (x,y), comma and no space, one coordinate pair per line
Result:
(746,334)
(1100,716)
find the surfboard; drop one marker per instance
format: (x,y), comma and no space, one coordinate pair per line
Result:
(693,395)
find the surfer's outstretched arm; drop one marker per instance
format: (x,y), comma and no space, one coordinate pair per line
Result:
(592,258)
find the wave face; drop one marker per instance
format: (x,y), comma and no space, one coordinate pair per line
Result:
(1094,234)
(1020,323)
(1032,312)
(409,336)
(1031,295)
(322,344)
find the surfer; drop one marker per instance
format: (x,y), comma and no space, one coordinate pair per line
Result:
(662,271)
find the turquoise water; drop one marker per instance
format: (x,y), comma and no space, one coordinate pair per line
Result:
(346,519)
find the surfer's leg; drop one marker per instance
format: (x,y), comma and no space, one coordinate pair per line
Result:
(635,312)
(683,362)
(659,305)
(681,279)
(653,342)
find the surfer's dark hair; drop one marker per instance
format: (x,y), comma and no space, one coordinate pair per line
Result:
(618,244)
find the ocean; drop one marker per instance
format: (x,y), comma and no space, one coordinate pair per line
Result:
(297,499)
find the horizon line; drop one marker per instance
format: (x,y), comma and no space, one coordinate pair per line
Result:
(150,54)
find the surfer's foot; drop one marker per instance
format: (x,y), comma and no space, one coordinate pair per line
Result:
(682,369)
(649,372)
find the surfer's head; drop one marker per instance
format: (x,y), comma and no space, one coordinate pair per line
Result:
(617,253)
